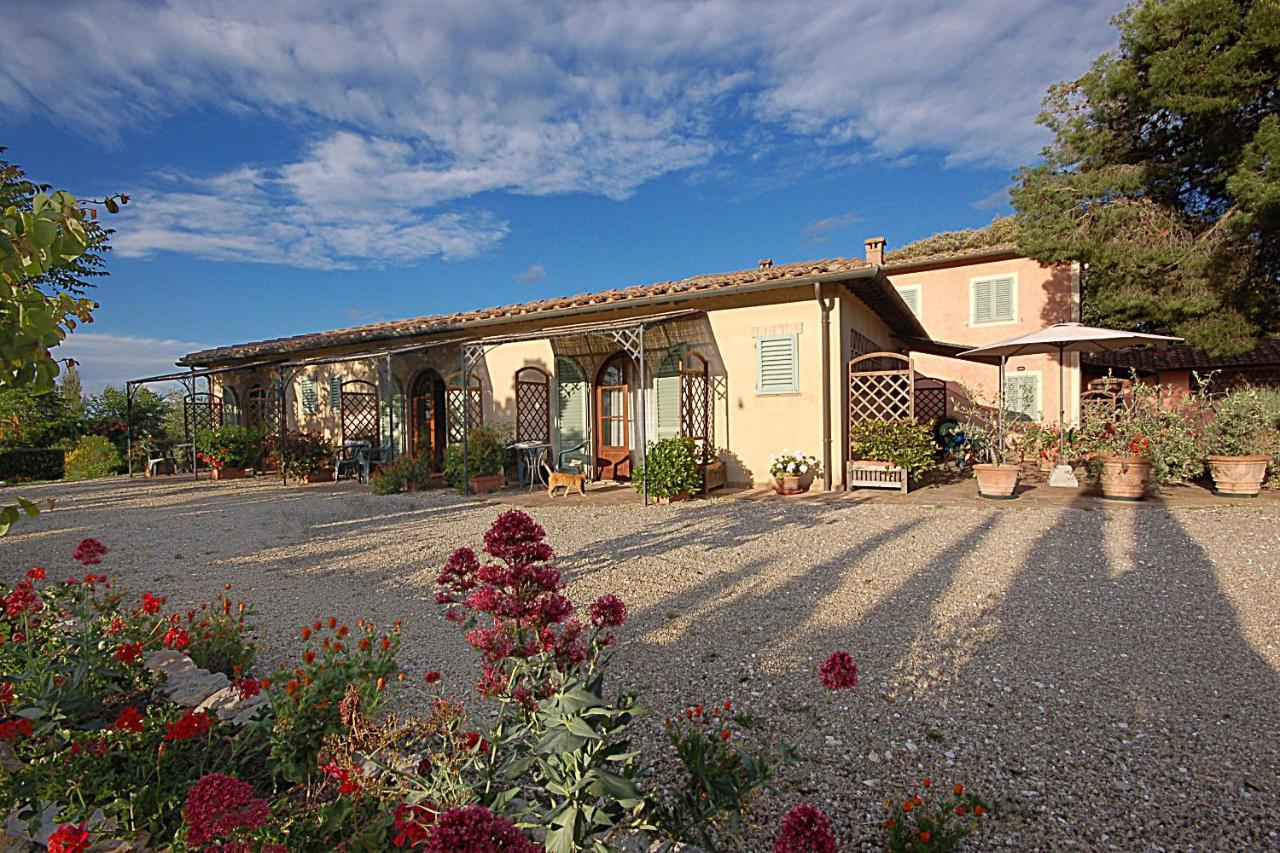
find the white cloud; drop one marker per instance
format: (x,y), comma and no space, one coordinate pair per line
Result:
(534,273)
(997,199)
(817,232)
(412,109)
(114,359)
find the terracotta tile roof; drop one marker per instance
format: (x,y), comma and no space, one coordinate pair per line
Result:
(1183,357)
(392,330)
(892,263)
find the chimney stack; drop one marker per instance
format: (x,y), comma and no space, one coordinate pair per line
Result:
(766,263)
(875,251)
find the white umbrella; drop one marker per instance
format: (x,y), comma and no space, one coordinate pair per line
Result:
(1062,338)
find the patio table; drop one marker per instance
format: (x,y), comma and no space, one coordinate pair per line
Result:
(532,454)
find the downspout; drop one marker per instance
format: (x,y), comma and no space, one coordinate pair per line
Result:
(825,305)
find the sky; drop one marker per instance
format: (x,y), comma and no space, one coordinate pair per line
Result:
(299,166)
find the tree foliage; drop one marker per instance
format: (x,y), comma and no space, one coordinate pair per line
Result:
(1164,174)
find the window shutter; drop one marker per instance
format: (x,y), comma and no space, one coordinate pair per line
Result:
(983,311)
(571,412)
(666,393)
(1002,299)
(1022,395)
(777,364)
(310,396)
(335,392)
(911,296)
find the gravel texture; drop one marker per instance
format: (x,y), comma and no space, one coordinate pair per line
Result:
(1107,679)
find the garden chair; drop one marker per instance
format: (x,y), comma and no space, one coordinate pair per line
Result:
(159,458)
(578,465)
(352,460)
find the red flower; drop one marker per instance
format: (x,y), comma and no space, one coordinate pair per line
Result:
(249,687)
(471,740)
(724,734)
(306,633)
(839,672)
(217,806)
(128,652)
(176,638)
(805,829)
(152,603)
(6,695)
(308,656)
(89,552)
(189,725)
(21,600)
(15,728)
(411,824)
(431,677)
(608,611)
(128,721)
(69,838)
(347,784)
(35,574)
(475,829)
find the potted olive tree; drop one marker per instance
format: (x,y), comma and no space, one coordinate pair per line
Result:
(670,470)
(1240,441)
(977,437)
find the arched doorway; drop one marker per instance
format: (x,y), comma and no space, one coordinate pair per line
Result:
(613,413)
(428,431)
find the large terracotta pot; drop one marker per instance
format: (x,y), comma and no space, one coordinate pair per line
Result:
(792,484)
(1124,478)
(323,475)
(484,485)
(996,482)
(226,472)
(1238,476)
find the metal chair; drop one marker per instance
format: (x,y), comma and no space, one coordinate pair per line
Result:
(157,456)
(579,465)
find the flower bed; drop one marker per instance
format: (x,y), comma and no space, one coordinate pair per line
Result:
(123,755)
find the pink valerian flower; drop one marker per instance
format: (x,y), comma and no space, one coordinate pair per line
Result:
(475,829)
(608,611)
(839,672)
(411,824)
(69,838)
(176,638)
(35,574)
(89,552)
(805,829)
(517,540)
(458,577)
(218,806)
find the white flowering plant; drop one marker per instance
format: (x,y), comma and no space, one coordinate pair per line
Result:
(788,464)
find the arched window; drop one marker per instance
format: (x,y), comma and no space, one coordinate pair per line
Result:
(230,406)
(533,404)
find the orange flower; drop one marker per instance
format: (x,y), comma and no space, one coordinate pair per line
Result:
(978,810)
(226,586)
(342,631)
(364,644)
(291,687)
(316,624)
(959,809)
(382,683)
(309,657)
(337,647)
(888,823)
(908,805)
(926,782)
(333,621)
(724,734)
(266,682)
(925,836)
(959,789)
(385,643)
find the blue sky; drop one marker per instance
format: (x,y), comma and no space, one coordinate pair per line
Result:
(302,166)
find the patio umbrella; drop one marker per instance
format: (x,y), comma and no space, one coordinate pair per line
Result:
(1060,339)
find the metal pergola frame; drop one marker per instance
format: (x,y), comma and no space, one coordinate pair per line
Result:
(628,334)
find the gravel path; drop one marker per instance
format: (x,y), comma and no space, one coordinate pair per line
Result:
(1107,679)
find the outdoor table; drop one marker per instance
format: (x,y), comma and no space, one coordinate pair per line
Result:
(532,455)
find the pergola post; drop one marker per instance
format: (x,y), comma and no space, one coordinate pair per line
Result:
(189,415)
(644,400)
(280,433)
(466,420)
(128,425)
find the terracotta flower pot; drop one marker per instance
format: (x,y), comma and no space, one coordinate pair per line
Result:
(996,482)
(1238,476)
(485,485)
(436,481)
(678,496)
(323,475)
(1124,478)
(792,484)
(226,472)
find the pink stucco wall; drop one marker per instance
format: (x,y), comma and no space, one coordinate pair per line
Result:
(1044,296)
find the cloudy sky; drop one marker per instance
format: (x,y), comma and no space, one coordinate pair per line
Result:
(297,166)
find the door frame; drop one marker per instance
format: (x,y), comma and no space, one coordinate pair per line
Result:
(439,414)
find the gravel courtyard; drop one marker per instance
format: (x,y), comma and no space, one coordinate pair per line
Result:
(1107,678)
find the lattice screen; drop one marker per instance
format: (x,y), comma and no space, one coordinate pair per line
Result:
(533,405)
(262,409)
(453,404)
(201,411)
(931,400)
(697,420)
(360,417)
(881,387)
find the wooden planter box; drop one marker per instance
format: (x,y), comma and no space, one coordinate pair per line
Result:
(870,474)
(485,485)
(678,496)
(714,475)
(226,472)
(324,475)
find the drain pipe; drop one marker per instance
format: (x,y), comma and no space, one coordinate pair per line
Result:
(826,305)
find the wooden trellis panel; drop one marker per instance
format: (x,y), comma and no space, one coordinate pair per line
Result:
(201,411)
(930,400)
(533,404)
(262,408)
(696,419)
(881,388)
(360,420)
(455,398)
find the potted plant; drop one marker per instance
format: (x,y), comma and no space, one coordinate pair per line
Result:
(230,451)
(669,470)
(486,457)
(1039,443)
(714,473)
(907,445)
(306,456)
(792,473)
(1240,441)
(978,437)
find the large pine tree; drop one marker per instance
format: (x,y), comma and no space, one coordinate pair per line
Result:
(1164,174)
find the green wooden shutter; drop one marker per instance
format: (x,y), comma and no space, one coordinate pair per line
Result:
(310,396)
(571,411)
(982,302)
(666,394)
(1002,299)
(776,368)
(335,392)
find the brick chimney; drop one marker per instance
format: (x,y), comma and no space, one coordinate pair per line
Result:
(875,250)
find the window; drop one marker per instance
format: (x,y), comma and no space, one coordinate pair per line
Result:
(910,294)
(776,362)
(310,396)
(993,300)
(1022,395)
(335,392)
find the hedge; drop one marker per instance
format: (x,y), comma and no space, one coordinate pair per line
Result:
(32,464)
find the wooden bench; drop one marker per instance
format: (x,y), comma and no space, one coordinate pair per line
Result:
(869,474)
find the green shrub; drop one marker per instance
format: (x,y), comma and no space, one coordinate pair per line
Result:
(231,447)
(298,453)
(486,456)
(396,476)
(32,464)
(902,443)
(94,456)
(1243,425)
(1154,423)
(670,466)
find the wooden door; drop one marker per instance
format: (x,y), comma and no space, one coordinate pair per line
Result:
(613,420)
(427,426)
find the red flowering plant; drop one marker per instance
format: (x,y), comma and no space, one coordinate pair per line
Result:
(926,820)
(719,780)
(230,447)
(305,697)
(805,829)
(219,635)
(1151,422)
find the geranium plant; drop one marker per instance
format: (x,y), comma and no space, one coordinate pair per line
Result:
(230,447)
(789,464)
(298,453)
(1152,422)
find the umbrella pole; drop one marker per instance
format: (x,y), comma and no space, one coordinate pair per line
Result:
(1062,406)
(1000,411)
